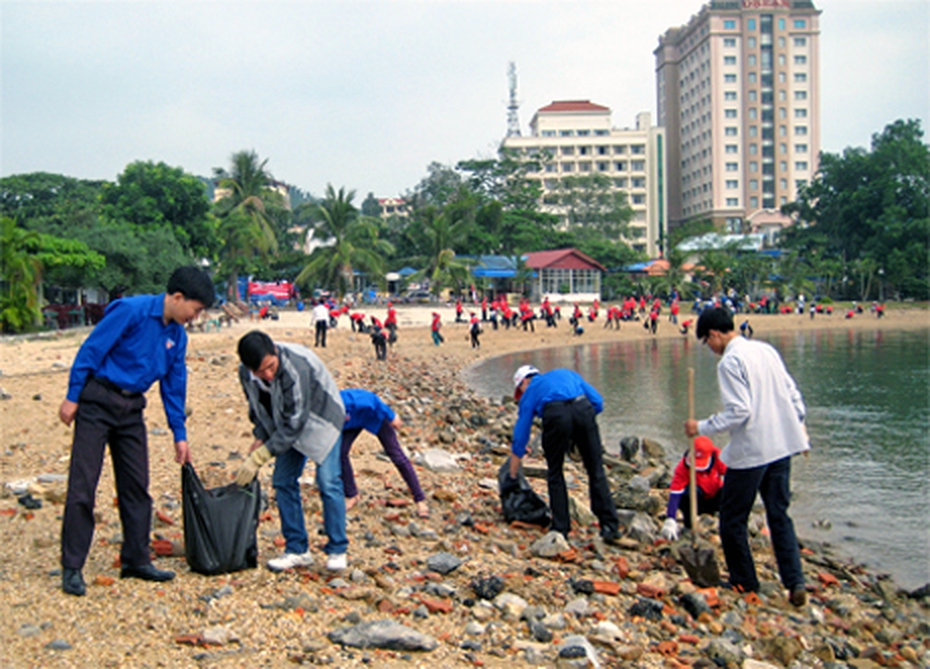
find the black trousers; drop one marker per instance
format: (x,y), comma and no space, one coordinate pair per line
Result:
(107,416)
(320,339)
(565,423)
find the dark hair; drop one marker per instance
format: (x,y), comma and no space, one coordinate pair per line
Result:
(193,284)
(718,318)
(253,347)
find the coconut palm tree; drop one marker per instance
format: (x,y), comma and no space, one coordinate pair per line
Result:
(440,231)
(245,210)
(20,272)
(349,241)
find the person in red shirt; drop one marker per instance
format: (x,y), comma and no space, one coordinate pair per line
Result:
(357,320)
(458,311)
(709,472)
(434,329)
(474,330)
(684,326)
(390,322)
(673,311)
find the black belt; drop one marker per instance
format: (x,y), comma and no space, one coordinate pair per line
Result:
(109,385)
(571,401)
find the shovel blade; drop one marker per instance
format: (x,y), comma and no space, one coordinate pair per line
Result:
(700,563)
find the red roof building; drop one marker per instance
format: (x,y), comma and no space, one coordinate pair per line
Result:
(566,275)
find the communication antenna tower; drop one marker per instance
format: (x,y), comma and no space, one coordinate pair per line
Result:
(513,121)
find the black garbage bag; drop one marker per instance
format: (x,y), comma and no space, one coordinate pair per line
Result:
(220,525)
(519,501)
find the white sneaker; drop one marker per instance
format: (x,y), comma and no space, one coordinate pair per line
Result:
(337,562)
(289,561)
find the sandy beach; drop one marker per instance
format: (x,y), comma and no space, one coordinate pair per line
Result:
(135,624)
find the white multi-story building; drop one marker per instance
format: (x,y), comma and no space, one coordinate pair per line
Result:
(575,138)
(738,96)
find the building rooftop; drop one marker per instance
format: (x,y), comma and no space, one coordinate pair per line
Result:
(574,106)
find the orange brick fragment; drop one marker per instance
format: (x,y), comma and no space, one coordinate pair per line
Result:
(103,580)
(752,599)
(606,587)
(690,639)
(622,566)
(162,547)
(668,648)
(437,605)
(397,503)
(647,590)
(279,542)
(164,517)
(189,639)
(8,512)
(827,578)
(710,596)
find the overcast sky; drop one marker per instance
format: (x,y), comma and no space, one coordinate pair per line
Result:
(367,94)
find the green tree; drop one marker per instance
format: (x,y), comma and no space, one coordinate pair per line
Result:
(871,206)
(593,207)
(246,213)
(348,242)
(371,207)
(440,232)
(152,195)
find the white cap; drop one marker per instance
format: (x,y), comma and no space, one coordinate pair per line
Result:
(521,374)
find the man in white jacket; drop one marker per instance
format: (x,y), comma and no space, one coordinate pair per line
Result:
(297,413)
(764,413)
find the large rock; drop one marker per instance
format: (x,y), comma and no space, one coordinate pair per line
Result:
(643,529)
(576,652)
(443,563)
(387,634)
(549,545)
(438,460)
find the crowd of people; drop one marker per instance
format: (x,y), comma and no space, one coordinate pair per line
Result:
(299,413)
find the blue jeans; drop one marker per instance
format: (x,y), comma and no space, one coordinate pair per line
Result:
(288,468)
(772,482)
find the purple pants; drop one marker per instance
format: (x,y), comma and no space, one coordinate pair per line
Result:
(388,438)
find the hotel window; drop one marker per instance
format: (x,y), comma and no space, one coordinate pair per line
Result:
(551,167)
(800,60)
(751,60)
(584,150)
(800,41)
(731,148)
(781,24)
(751,42)
(566,133)
(781,60)
(729,42)
(751,24)
(752,77)
(584,166)
(729,95)
(732,183)
(800,148)
(801,165)
(568,167)
(753,202)
(783,148)
(638,182)
(638,148)
(602,151)
(782,131)
(800,23)
(551,184)
(800,95)
(800,77)
(752,96)
(638,165)
(781,78)
(783,200)
(800,130)
(732,167)
(729,113)
(753,130)
(620,182)
(729,25)
(782,96)
(619,149)
(782,112)
(783,167)
(730,78)
(732,201)
(800,183)
(730,131)
(584,133)
(753,166)
(568,150)
(729,60)
(753,184)
(548,133)
(601,133)
(620,166)
(639,198)
(753,149)
(781,42)
(800,113)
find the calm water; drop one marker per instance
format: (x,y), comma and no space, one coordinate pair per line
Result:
(868,400)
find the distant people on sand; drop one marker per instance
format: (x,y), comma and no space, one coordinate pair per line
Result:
(474,331)
(320,315)
(434,329)
(745,329)
(684,326)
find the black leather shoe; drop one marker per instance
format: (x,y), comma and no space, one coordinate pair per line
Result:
(147,573)
(72,582)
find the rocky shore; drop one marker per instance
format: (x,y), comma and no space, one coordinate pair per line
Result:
(462,588)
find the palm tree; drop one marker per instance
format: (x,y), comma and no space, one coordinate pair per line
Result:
(440,232)
(349,240)
(20,273)
(245,213)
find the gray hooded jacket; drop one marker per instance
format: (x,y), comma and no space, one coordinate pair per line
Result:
(307,410)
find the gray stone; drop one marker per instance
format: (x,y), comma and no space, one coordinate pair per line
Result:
(51,478)
(555,621)
(577,651)
(629,448)
(724,652)
(511,605)
(579,606)
(28,630)
(654,450)
(639,483)
(443,563)
(540,632)
(643,529)
(216,636)
(608,630)
(474,628)
(440,589)
(387,634)
(439,461)
(58,644)
(549,545)
(580,512)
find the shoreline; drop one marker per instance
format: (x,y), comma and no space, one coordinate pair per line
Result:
(129,623)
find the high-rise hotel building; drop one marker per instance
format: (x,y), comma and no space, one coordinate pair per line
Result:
(738,96)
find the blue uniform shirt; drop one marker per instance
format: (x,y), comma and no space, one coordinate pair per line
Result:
(555,386)
(133,348)
(365,410)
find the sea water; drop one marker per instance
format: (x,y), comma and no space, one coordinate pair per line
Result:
(863,488)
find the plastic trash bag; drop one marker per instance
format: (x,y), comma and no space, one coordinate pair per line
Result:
(220,525)
(519,501)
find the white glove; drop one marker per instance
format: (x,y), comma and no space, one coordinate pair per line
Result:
(669,530)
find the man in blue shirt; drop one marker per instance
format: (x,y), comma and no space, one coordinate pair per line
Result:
(567,405)
(139,341)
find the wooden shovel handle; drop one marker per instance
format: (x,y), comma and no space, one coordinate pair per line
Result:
(692,456)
